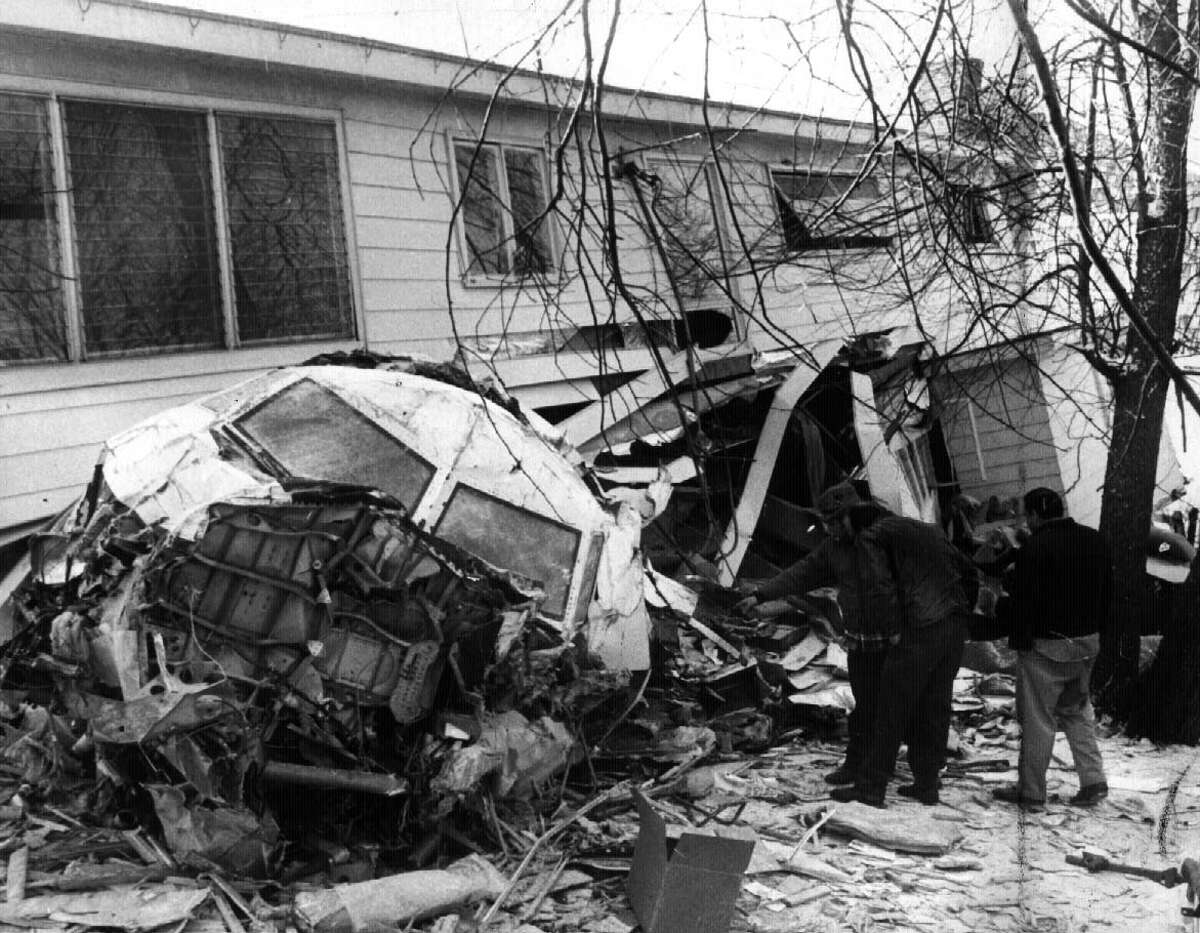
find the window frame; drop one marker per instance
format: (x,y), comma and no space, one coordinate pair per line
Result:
(722,299)
(820,244)
(964,199)
(53,93)
(582,548)
(556,275)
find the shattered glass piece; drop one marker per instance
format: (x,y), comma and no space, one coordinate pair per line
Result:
(314,434)
(533,545)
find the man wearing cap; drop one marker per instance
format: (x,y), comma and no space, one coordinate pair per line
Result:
(917,590)
(1058,599)
(834,563)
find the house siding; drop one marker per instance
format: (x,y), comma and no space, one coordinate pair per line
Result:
(997,429)
(394,162)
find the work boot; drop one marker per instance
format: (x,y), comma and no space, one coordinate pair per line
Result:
(859,794)
(1091,795)
(843,775)
(1011,793)
(924,795)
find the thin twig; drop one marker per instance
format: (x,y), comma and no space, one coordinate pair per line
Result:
(812,831)
(544,890)
(556,828)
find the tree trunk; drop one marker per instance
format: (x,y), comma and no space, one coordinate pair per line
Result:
(1138,403)
(1139,393)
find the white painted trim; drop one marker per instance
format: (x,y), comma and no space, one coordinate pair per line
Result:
(975,439)
(729,296)
(229,315)
(350,233)
(532,370)
(455,190)
(269,45)
(498,143)
(104,93)
(64,205)
(154,365)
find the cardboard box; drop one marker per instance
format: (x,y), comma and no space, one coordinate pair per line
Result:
(688,884)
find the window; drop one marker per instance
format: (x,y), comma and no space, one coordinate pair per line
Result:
(32,324)
(146,202)
(829,211)
(967,209)
(146,239)
(314,434)
(686,216)
(503,212)
(285,227)
(515,539)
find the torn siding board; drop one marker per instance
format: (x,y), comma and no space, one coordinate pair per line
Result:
(884,475)
(585,429)
(741,528)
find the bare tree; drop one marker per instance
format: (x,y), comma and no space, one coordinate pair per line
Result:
(1049,195)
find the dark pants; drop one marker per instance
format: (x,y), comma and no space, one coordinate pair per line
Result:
(916,687)
(864,668)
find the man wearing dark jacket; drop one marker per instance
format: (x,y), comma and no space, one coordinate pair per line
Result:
(834,563)
(1058,600)
(917,589)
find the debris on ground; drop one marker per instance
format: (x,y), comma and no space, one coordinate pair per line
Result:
(260,684)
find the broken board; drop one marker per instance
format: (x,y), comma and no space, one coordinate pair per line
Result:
(897,830)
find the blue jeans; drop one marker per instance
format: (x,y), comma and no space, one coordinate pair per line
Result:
(1051,696)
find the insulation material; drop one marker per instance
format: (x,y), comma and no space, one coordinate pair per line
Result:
(884,475)
(618,623)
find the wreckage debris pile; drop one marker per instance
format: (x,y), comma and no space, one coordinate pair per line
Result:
(316,715)
(317,691)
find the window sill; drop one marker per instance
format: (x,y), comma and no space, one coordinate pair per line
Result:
(819,252)
(152,366)
(554,280)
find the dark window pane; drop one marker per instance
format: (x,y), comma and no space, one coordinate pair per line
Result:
(314,434)
(290,272)
(142,194)
(823,211)
(968,214)
(515,539)
(31,301)
(482,223)
(526,190)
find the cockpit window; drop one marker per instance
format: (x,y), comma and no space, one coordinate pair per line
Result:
(516,539)
(315,434)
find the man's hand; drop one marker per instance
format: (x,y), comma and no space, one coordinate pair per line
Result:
(746,606)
